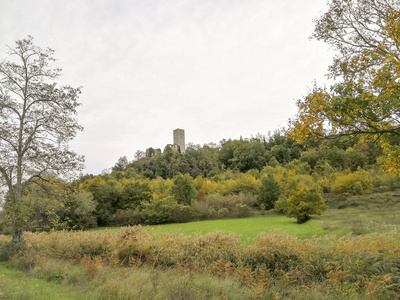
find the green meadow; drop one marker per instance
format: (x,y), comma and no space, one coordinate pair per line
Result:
(248,228)
(15,284)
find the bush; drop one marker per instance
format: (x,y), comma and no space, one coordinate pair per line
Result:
(217,206)
(357,183)
(366,265)
(158,211)
(182,214)
(81,213)
(10,249)
(127,217)
(385,181)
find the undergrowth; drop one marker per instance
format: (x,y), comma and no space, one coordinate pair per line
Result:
(274,266)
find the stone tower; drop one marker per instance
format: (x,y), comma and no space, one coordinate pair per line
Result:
(179,139)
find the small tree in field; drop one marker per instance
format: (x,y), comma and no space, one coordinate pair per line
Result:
(269,192)
(37,120)
(304,201)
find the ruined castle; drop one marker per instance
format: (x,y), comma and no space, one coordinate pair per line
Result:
(178,144)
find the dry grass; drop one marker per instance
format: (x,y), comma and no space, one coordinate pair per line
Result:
(350,267)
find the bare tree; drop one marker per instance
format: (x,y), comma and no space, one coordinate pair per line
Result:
(37,120)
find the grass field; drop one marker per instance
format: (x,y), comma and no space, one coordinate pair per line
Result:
(355,214)
(181,267)
(15,284)
(362,214)
(248,228)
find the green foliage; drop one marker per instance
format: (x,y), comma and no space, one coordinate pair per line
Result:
(210,160)
(299,167)
(363,101)
(159,211)
(268,192)
(355,159)
(385,181)
(51,204)
(183,189)
(127,217)
(133,193)
(304,199)
(216,206)
(273,162)
(107,193)
(10,249)
(80,214)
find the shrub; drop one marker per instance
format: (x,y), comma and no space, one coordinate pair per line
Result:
(217,206)
(385,181)
(357,183)
(182,214)
(159,211)
(127,217)
(277,262)
(355,159)
(207,186)
(10,249)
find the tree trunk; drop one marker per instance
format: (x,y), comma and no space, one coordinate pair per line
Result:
(17,235)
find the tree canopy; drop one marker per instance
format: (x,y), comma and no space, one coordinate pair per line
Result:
(365,96)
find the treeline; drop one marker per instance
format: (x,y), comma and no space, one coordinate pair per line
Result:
(247,154)
(235,179)
(210,160)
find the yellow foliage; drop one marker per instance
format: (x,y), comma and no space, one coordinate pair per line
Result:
(359,182)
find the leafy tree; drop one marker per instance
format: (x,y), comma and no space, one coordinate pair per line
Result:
(133,193)
(37,120)
(80,213)
(51,203)
(365,97)
(107,194)
(273,162)
(168,164)
(121,164)
(268,192)
(183,189)
(305,200)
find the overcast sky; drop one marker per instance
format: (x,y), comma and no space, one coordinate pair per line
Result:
(219,69)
